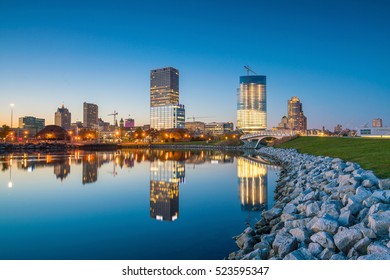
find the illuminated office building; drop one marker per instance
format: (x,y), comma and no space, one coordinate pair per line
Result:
(31,124)
(169,116)
(90,115)
(252,104)
(252,178)
(296,118)
(165,177)
(165,110)
(62,118)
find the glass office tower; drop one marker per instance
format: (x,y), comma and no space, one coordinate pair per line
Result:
(252,104)
(165,110)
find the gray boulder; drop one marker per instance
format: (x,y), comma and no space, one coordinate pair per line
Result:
(380,222)
(300,254)
(375,257)
(349,169)
(354,205)
(343,180)
(284,244)
(369,201)
(378,207)
(384,184)
(268,238)
(290,209)
(346,238)
(310,196)
(330,209)
(362,194)
(326,224)
(326,254)
(346,218)
(382,195)
(314,248)
(246,240)
(312,209)
(262,245)
(378,248)
(324,239)
(368,183)
(339,256)
(272,213)
(361,246)
(301,234)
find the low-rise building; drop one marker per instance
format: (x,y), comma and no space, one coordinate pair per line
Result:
(219,128)
(374,132)
(31,124)
(195,126)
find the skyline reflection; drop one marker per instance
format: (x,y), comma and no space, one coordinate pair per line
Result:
(91,162)
(253,184)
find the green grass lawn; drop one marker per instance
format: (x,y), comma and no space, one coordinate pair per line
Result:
(371,153)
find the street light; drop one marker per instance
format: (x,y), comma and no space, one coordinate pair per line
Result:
(12,112)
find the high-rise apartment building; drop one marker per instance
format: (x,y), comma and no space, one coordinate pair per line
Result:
(62,118)
(377,122)
(90,115)
(252,104)
(296,118)
(165,110)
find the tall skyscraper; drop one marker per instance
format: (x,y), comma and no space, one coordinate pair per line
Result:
(377,122)
(252,104)
(165,110)
(296,118)
(63,118)
(90,116)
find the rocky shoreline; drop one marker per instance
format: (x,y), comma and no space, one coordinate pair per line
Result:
(324,209)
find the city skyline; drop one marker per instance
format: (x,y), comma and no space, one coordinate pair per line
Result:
(332,55)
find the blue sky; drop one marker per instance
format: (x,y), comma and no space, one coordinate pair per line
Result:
(333,55)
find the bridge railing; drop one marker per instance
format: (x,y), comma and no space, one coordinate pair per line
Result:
(278,133)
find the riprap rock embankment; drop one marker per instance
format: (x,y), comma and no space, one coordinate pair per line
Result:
(325,208)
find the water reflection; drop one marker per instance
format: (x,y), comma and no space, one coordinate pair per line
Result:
(62,169)
(165,177)
(253,181)
(119,200)
(92,161)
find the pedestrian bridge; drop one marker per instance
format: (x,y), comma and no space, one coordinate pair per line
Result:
(258,137)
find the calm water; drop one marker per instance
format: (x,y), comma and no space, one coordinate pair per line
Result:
(131,204)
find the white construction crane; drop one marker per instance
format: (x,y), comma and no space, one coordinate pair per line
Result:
(193,118)
(249,70)
(114,114)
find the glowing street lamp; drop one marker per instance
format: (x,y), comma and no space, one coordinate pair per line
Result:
(12,112)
